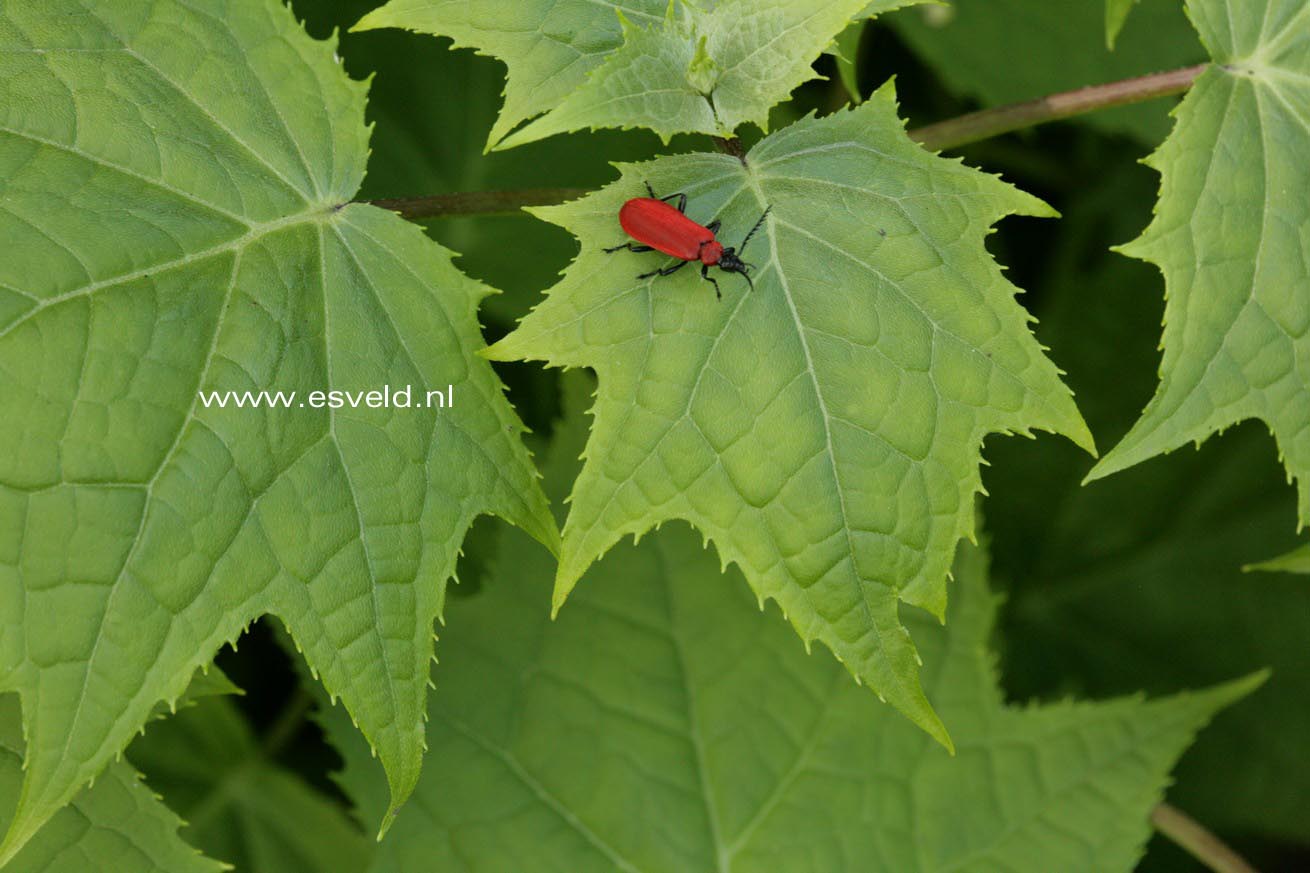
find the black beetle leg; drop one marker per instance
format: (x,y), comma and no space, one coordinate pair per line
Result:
(667,271)
(705,274)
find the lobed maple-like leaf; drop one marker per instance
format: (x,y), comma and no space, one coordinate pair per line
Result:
(673,67)
(824,430)
(1230,235)
(176,212)
(663,724)
(432,110)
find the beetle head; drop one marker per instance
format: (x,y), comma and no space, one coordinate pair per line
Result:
(731,262)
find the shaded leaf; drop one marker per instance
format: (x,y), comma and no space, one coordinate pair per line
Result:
(239,805)
(1295,561)
(845,51)
(1135,582)
(176,187)
(1116,13)
(663,723)
(845,48)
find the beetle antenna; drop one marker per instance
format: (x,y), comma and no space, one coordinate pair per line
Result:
(763,216)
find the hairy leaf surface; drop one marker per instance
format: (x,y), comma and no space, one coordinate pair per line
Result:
(824,430)
(664,724)
(671,67)
(240,806)
(1005,51)
(175,209)
(1232,236)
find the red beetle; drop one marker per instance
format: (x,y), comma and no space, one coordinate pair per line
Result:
(657,225)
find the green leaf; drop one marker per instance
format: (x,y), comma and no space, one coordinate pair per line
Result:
(1006,51)
(176,193)
(1116,13)
(549,47)
(665,724)
(825,430)
(241,806)
(114,826)
(845,48)
(668,66)
(1135,582)
(846,51)
(425,142)
(1295,561)
(1232,243)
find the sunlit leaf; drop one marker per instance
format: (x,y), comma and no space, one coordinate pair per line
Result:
(176,217)
(1230,235)
(824,430)
(671,67)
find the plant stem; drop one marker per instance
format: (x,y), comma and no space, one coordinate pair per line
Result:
(477,202)
(943,135)
(1198,842)
(1004,119)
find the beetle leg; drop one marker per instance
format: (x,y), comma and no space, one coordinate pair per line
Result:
(667,271)
(705,274)
(682,201)
(632,247)
(713,226)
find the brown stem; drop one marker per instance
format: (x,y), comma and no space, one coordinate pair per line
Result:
(477,202)
(1003,119)
(943,135)
(1198,842)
